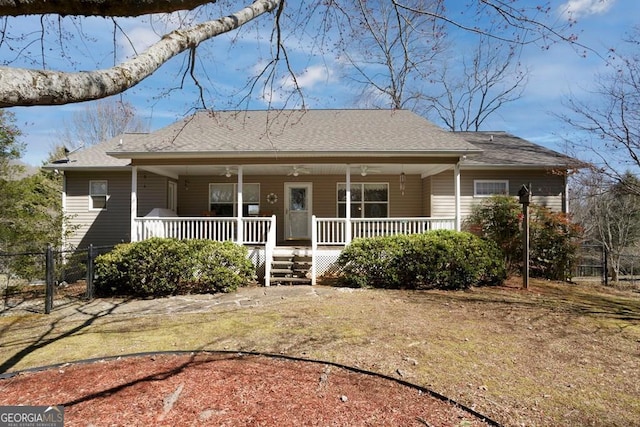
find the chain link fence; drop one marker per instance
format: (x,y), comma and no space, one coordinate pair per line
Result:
(39,281)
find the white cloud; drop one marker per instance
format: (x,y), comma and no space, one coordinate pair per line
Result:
(579,8)
(312,76)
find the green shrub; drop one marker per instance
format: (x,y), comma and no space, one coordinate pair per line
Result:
(367,262)
(554,244)
(553,238)
(499,219)
(158,267)
(443,259)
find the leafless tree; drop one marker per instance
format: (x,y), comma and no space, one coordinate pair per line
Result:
(390,50)
(490,78)
(197,21)
(609,124)
(99,121)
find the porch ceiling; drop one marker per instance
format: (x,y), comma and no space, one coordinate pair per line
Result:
(369,169)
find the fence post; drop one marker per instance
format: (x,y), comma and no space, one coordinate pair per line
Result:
(90,259)
(605,269)
(49,289)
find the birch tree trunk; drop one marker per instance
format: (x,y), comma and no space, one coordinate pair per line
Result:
(25,87)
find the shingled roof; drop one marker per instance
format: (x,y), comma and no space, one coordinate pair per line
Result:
(316,132)
(501,149)
(294,131)
(94,157)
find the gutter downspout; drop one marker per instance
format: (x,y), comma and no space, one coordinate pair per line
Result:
(456,185)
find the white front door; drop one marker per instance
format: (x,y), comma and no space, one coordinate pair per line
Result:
(297,214)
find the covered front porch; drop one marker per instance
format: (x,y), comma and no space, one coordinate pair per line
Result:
(329,235)
(272,207)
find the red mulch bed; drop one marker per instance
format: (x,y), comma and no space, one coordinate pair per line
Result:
(226,390)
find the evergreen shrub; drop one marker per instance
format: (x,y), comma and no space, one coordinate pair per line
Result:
(159,267)
(441,259)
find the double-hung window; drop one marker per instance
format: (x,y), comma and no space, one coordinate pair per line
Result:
(98,194)
(486,188)
(223,199)
(368,200)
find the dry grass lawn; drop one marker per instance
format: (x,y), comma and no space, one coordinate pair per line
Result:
(555,354)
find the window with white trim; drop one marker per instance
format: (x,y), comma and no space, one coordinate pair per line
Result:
(223,200)
(486,187)
(98,194)
(368,200)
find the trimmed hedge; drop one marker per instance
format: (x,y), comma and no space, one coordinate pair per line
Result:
(159,267)
(441,259)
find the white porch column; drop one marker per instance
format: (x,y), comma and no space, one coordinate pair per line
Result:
(456,185)
(240,236)
(566,193)
(134,203)
(64,209)
(347,230)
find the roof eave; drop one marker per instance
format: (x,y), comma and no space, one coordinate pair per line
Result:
(86,168)
(290,154)
(518,166)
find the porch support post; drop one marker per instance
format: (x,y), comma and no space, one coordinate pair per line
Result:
(134,203)
(240,235)
(64,210)
(566,192)
(347,227)
(456,184)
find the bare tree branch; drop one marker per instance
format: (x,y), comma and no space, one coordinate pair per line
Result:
(23,87)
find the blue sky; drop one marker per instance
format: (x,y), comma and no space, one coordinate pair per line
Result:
(227,62)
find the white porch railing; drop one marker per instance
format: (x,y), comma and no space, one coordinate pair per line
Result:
(254,230)
(333,231)
(262,231)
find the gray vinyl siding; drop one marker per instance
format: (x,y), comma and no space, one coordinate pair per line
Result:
(98,227)
(548,189)
(112,225)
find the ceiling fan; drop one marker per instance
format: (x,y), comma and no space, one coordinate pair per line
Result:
(228,172)
(364,170)
(297,170)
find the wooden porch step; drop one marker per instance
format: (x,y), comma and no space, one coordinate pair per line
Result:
(282,271)
(290,265)
(300,280)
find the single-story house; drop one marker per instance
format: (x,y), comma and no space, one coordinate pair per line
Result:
(296,183)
